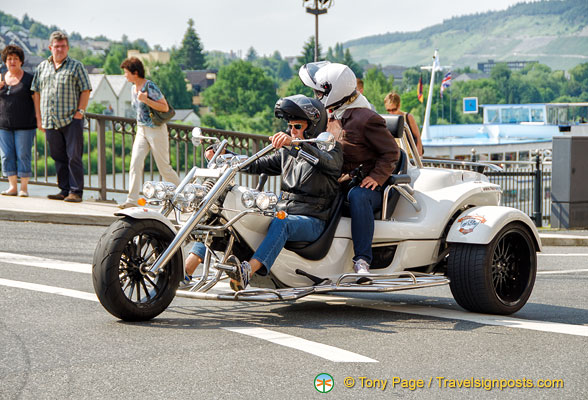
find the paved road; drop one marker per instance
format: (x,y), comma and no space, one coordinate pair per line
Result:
(65,345)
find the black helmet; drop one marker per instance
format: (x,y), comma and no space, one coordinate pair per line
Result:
(302,107)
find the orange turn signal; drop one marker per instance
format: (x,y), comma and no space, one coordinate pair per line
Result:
(141,202)
(281,214)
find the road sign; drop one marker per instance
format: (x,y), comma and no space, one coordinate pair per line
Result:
(470,105)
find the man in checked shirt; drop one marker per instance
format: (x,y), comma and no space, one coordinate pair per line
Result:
(61,91)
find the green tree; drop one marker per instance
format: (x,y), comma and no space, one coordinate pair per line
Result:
(171,80)
(251,55)
(376,87)
(307,55)
(217,59)
(295,86)
(190,54)
(240,88)
(117,52)
(96,108)
(350,62)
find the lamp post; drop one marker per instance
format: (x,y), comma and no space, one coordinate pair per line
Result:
(320,7)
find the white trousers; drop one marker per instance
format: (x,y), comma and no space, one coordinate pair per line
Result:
(155,139)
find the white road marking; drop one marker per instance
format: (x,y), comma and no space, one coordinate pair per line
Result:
(318,349)
(418,310)
(484,319)
(40,262)
(49,289)
(563,271)
(563,255)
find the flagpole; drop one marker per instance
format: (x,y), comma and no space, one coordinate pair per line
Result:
(434,67)
(450,104)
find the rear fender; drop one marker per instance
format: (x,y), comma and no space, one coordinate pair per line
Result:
(145,213)
(479,225)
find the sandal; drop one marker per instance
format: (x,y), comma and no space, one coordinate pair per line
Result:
(22,193)
(7,193)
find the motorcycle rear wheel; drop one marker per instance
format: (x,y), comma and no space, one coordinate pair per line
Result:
(496,278)
(125,251)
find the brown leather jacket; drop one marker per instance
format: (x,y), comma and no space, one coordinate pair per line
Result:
(367,141)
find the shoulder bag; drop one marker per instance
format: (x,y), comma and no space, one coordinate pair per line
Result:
(160,117)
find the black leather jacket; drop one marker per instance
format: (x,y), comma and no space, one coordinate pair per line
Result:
(306,189)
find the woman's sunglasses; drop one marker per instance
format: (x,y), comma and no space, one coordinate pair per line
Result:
(295,126)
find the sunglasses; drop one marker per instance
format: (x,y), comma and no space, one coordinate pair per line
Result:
(392,109)
(7,90)
(295,126)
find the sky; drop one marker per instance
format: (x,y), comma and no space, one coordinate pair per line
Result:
(237,25)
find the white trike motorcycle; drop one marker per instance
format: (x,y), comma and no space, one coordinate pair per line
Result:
(437,226)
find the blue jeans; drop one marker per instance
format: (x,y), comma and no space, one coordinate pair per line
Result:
(15,146)
(297,228)
(362,204)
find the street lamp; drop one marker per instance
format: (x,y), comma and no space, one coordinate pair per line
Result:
(320,7)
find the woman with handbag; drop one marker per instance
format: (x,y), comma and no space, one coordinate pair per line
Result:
(152,112)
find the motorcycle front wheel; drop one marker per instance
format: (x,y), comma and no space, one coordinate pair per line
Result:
(124,254)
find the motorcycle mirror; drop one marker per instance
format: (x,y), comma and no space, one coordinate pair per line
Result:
(198,138)
(325,141)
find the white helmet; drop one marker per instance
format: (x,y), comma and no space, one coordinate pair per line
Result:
(333,83)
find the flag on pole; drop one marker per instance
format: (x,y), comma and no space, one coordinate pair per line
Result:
(446,82)
(420,89)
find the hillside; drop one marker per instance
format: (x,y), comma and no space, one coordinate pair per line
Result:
(554,33)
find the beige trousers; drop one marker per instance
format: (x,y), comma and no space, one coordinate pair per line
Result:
(155,139)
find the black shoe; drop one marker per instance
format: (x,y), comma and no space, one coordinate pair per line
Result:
(58,196)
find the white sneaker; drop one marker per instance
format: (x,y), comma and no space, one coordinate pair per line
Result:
(361,266)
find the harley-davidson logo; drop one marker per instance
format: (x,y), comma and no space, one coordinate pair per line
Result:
(469,223)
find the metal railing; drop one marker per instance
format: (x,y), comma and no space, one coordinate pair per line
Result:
(526,185)
(108,142)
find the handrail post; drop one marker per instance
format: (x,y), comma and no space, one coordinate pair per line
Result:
(101,147)
(538,190)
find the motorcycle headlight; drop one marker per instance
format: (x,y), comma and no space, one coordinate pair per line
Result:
(248,198)
(149,189)
(164,190)
(194,193)
(266,200)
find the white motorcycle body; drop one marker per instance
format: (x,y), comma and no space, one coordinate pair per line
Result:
(443,226)
(417,236)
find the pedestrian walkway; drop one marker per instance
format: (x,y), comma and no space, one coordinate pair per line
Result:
(90,212)
(41,209)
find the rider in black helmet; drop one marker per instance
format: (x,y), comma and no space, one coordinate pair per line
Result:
(299,107)
(309,187)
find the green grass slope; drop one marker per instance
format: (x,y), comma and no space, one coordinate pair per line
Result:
(553,32)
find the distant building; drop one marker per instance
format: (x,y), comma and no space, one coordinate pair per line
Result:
(102,92)
(486,67)
(469,76)
(187,116)
(199,80)
(395,70)
(122,90)
(151,57)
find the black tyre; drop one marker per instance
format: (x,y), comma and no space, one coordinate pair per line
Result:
(496,278)
(125,251)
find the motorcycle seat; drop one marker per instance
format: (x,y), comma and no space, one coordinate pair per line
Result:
(395,124)
(319,248)
(390,197)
